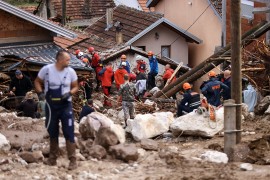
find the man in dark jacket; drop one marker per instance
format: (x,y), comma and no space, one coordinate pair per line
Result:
(21,83)
(190,101)
(227,82)
(212,89)
(87,109)
(29,106)
(151,81)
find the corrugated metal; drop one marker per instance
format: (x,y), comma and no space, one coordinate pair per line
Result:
(36,20)
(39,54)
(247,11)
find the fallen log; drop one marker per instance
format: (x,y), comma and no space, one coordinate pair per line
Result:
(209,64)
(252,69)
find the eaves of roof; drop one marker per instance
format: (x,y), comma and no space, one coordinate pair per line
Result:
(36,20)
(152,3)
(190,37)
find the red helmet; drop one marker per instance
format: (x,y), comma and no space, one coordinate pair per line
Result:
(150,53)
(77,51)
(91,49)
(186,86)
(212,74)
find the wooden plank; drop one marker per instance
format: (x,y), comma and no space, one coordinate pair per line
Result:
(174,73)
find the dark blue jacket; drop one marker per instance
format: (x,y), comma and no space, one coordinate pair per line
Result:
(212,90)
(191,100)
(85,111)
(227,95)
(153,65)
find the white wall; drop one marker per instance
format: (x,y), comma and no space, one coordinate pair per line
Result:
(130,3)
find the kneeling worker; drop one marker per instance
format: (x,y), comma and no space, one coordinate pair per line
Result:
(190,101)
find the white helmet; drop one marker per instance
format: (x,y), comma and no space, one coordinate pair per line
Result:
(80,54)
(139,57)
(123,64)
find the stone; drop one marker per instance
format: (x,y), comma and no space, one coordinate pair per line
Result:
(120,115)
(44,147)
(4,144)
(106,138)
(246,167)
(198,125)
(149,144)
(32,157)
(240,152)
(214,156)
(112,112)
(97,151)
(125,152)
(262,106)
(141,152)
(87,175)
(145,126)
(267,110)
(90,126)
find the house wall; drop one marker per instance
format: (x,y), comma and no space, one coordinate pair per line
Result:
(14,29)
(179,49)
(208,27)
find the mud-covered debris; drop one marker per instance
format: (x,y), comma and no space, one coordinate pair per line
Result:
(149,144)
(125,152)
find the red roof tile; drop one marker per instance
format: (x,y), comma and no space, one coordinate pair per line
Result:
(29,9)
(143,5)
(83,9)
(66,42)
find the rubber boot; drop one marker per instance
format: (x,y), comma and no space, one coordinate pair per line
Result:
(51,161)
(71,147)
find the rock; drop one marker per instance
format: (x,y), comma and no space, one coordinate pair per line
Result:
(120,115)
(32,157)
(149,144)
(246,167)
(141,152)
(106,138)
(44,147)
(87,175)
(4,144)
(90,126)
(245,111)
(198,125)
(240,152)
(112,112)
(125,152)
(215,156)
(262,106)
(97,151)
(146,126)
(267,110)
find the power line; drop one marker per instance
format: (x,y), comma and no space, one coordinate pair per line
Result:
(188,27)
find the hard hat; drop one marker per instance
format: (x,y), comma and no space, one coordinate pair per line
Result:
(91,49)
(123,64)
(138,58)
(77,51)
(123,56)
(85,60)
(212,74)
(150,53)
(80,54)
(186,86)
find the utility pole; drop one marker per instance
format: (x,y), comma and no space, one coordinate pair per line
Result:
(64,12)
(236,89)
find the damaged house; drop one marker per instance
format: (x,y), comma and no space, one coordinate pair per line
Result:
(26,42)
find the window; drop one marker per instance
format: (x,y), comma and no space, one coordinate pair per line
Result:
(141,47)
(166,51)
(246,9)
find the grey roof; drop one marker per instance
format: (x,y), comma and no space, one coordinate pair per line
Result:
(190,37)
(40,54)
(36,20)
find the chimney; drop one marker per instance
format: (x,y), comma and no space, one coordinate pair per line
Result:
(119,36)
(109,18)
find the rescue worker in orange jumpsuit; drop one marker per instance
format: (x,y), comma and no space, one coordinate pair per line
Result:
(96,65)
(119,75)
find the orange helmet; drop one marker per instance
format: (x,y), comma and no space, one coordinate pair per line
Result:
(186,86)
(150,53)
(77,51)
(212,74)
(91,49)
(123,56)
(85,60)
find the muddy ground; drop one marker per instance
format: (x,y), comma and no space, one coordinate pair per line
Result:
(177,158)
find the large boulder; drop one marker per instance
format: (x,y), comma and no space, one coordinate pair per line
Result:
(198,125)
(262,106)
(106,137)
(90,125)
(146,126)
(4,144)
(97,151)
(125,152)
(32,157)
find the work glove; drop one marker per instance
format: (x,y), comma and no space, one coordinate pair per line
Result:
(66,96)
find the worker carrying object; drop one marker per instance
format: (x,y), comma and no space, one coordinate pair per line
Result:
(60,83)
(190,101)
(212,89)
